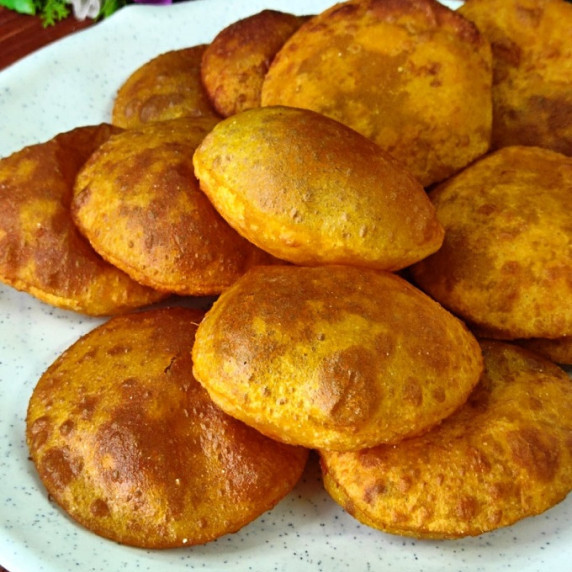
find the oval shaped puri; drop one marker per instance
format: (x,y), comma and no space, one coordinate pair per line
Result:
(139,204)
(130,445)
(506,262)
(310,190)
(503,456)
(334,357)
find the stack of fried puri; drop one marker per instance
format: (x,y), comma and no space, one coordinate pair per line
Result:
(412,75)
(298,208)
(319,353)
(138,202)
(532,53)
(505,265)
(336,353)
(41,250)
(132,447)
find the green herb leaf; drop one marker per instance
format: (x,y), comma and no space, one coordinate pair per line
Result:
(52,11)
(22,6)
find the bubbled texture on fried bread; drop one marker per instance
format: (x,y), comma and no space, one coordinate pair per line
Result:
(131,446)
(503,456)
(138,202)
(506,264)
(41,250)
(532,62)
(334,356)
(235,63)
(310,190)
(412,75)
(166,87)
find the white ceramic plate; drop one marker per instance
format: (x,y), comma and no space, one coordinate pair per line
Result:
(73,83)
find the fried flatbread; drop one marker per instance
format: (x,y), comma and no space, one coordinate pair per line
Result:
(506,263)
(235,63)
(41,250)
(131,446)
(334,357)
(559,350)
(166,87)
(532,61)
(412,75)
(310,190)
(139,204)
(503,456)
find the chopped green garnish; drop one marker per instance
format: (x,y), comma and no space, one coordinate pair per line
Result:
(52,11)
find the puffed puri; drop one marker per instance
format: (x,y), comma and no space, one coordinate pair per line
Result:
(132,447)
(311,191)
(334,357)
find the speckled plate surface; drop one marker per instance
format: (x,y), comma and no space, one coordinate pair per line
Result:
(72,83)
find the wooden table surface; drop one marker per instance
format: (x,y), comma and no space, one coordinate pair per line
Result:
(22,34)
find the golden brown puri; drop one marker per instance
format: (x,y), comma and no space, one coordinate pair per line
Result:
(559,350)
(532,61)
(412,75)
(139,204)
(310,190)
(506,263)
(166,87)
(131,446)
(41,251)
(334,357)
(235,62)
(503,456)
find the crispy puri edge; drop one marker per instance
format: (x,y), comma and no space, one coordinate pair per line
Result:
(339,495)
(187,287)
(358,511)
(80,305)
